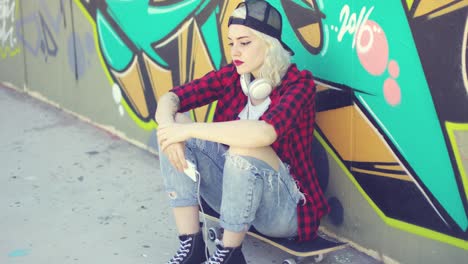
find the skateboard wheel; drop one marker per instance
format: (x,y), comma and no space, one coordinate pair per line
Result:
(213,233)
(289,261)
(318,258)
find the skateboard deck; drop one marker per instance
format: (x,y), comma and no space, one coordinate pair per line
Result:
(300,251)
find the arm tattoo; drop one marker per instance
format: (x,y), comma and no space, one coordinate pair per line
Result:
(175,103)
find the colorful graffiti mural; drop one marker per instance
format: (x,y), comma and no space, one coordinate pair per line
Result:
(389,133)
(9,10)
(145,59)
(393,115)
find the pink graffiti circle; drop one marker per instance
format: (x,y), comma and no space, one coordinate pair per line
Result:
(394,69)
(392,92)
(372,47)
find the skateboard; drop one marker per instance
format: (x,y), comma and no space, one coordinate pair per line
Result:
(299,251)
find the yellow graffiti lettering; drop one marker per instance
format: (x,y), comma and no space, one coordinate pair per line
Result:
(433,9)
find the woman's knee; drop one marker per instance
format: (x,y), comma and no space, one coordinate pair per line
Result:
(240,164)
(263,154)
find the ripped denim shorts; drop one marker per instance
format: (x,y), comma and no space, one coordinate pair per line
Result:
(244,190)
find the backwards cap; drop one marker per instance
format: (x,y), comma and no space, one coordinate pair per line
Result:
(263,17)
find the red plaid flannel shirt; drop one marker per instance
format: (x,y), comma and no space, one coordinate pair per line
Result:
(291,113)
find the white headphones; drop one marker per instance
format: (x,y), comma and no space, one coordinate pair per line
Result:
(259,88)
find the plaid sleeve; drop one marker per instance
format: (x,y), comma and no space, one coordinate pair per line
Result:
(202,91)
(297,94)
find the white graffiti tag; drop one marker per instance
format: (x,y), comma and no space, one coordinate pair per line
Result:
(351,23)
(7,24)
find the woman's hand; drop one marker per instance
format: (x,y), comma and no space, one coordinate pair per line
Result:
(171,139)
(172,133)
(176,155)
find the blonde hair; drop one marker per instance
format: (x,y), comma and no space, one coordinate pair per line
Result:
(277,59)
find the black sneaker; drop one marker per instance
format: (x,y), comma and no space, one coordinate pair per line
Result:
(191,250)
(225,255)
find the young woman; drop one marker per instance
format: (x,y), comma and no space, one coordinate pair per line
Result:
(254,160)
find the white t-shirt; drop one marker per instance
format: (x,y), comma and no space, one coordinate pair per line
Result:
(254,112)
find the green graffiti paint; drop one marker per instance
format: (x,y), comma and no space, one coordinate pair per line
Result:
(403,112)
(414,229)
(113,48)
(211,38)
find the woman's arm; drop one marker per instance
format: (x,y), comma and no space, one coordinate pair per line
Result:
(239,133)
(168,105)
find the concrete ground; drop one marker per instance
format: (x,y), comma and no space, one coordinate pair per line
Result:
(73,193)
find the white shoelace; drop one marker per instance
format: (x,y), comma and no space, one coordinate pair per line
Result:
(218,256)
(184,248)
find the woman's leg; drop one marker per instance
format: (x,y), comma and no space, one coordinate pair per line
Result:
(183,192)
(254,192)
(277,214)
(184,210)
(184,195)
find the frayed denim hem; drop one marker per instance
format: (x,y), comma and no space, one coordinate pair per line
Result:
(173,202)
(237,228)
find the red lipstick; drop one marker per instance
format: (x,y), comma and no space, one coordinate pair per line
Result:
(238,62)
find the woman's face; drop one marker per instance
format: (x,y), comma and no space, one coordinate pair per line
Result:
(247,50)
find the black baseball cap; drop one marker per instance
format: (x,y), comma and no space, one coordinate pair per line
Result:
(263,17)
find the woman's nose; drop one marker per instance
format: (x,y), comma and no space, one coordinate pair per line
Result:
(234,51)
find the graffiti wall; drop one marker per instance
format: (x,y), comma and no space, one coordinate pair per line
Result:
(402,74)
(8,42)
(392,122)
(11,61)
